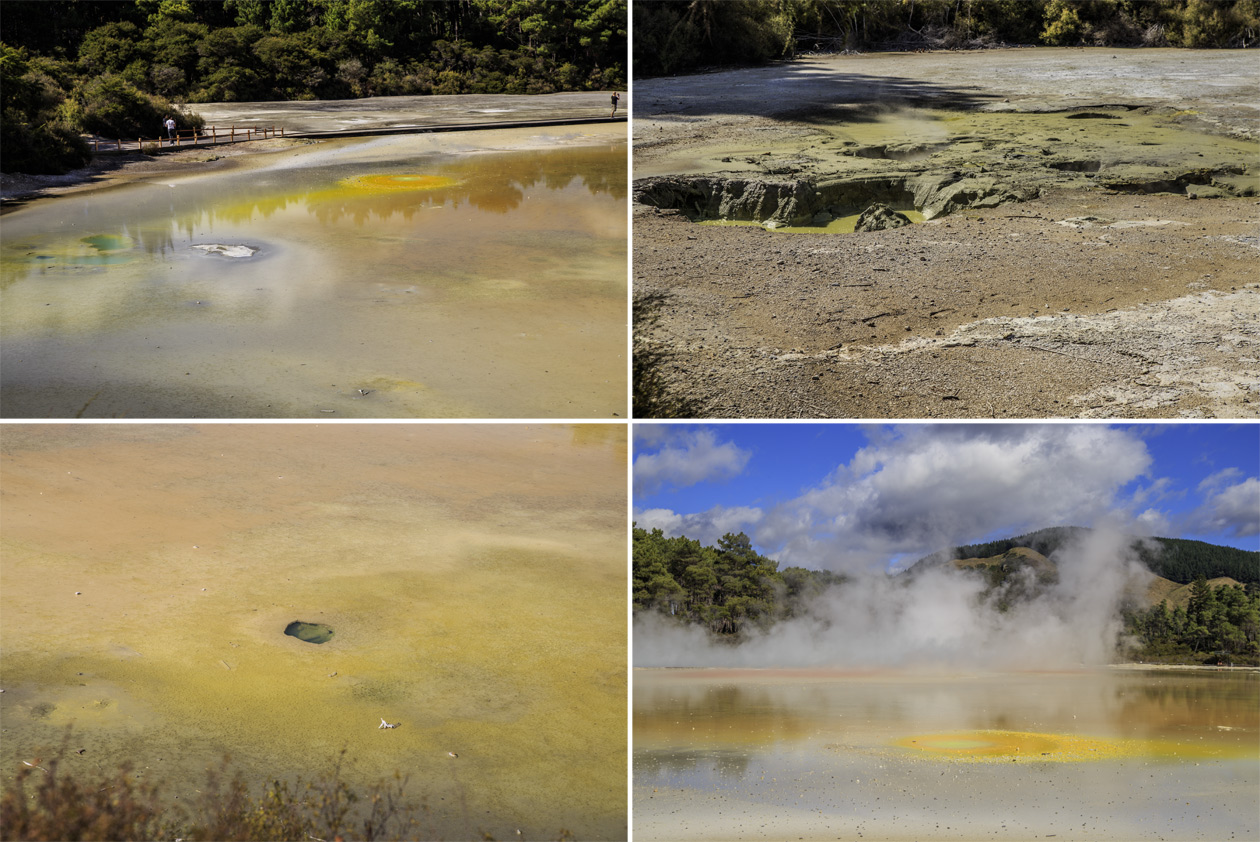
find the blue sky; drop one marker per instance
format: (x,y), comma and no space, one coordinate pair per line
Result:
(849,496)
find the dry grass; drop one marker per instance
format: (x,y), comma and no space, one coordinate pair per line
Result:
(47,803)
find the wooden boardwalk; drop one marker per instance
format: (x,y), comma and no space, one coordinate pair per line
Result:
(185,138)
(217,135)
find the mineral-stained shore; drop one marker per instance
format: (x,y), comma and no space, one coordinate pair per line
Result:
(1089,248)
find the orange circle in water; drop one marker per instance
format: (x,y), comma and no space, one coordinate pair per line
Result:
(402,181)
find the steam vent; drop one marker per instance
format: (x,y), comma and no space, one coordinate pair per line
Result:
(310,632)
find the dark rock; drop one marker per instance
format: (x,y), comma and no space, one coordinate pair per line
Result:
(879,217)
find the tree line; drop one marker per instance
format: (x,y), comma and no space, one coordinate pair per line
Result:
(677,36)
(730,590)
(727,589)
(116,68)
(1218,624)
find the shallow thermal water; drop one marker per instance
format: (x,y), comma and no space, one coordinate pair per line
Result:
(1112,754)
(472,275)
(473,575)
(839,225)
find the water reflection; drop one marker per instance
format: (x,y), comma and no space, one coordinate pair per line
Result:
(750,710)
(417,283)
(753,754)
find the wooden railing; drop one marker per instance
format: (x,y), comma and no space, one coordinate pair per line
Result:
(190,137)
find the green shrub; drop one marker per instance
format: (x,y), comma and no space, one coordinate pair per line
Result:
(50,148)
(112,107)
(110,48)
(34,136)
(1063,25)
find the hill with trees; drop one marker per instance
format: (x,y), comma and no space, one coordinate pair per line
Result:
(73,66)
(731,590)
(678,36)
(1177,559)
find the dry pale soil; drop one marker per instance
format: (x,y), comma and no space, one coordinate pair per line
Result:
(1089,245)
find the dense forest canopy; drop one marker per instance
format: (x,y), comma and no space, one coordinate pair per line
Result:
(676,36)
(116,67)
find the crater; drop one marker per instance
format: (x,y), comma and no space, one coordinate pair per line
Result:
(822,202)
(310,632)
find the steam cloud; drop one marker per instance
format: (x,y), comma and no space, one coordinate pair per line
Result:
(913,490)
(934,618)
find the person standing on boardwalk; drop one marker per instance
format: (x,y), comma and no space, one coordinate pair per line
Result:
(169,122)
(616,98)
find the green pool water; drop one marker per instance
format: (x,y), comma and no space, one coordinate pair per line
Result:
(310,632)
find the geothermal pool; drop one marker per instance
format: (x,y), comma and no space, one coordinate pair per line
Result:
(481,274)
(472,577)
(1109,754)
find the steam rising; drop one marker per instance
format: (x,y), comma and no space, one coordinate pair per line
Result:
(932,618)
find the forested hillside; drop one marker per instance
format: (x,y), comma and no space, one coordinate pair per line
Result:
(675,36)
(1222,623)
(1177,559)
(71,66)
(731,590)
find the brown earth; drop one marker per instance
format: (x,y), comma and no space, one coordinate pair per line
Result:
(1110,276)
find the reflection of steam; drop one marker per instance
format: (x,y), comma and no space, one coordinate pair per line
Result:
(936,617)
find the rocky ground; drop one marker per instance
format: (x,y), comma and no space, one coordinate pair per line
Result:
(1090,251)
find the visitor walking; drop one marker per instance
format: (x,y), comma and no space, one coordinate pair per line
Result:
(616,98)
(170,128)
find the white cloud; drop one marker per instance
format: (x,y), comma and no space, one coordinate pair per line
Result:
(1234,510)
(918,489)
(706,527)
(1153,522)
(1213,482)
(685,457)
(651,435)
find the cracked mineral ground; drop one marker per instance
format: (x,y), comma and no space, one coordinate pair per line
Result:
(1057,233)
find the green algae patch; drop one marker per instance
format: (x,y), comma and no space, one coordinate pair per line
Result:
(109,242)
(96,250)
(839,225)
(310,632)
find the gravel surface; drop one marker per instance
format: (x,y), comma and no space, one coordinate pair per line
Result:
(1096,286)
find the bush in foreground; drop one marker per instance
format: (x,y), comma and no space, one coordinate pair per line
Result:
(49,803)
